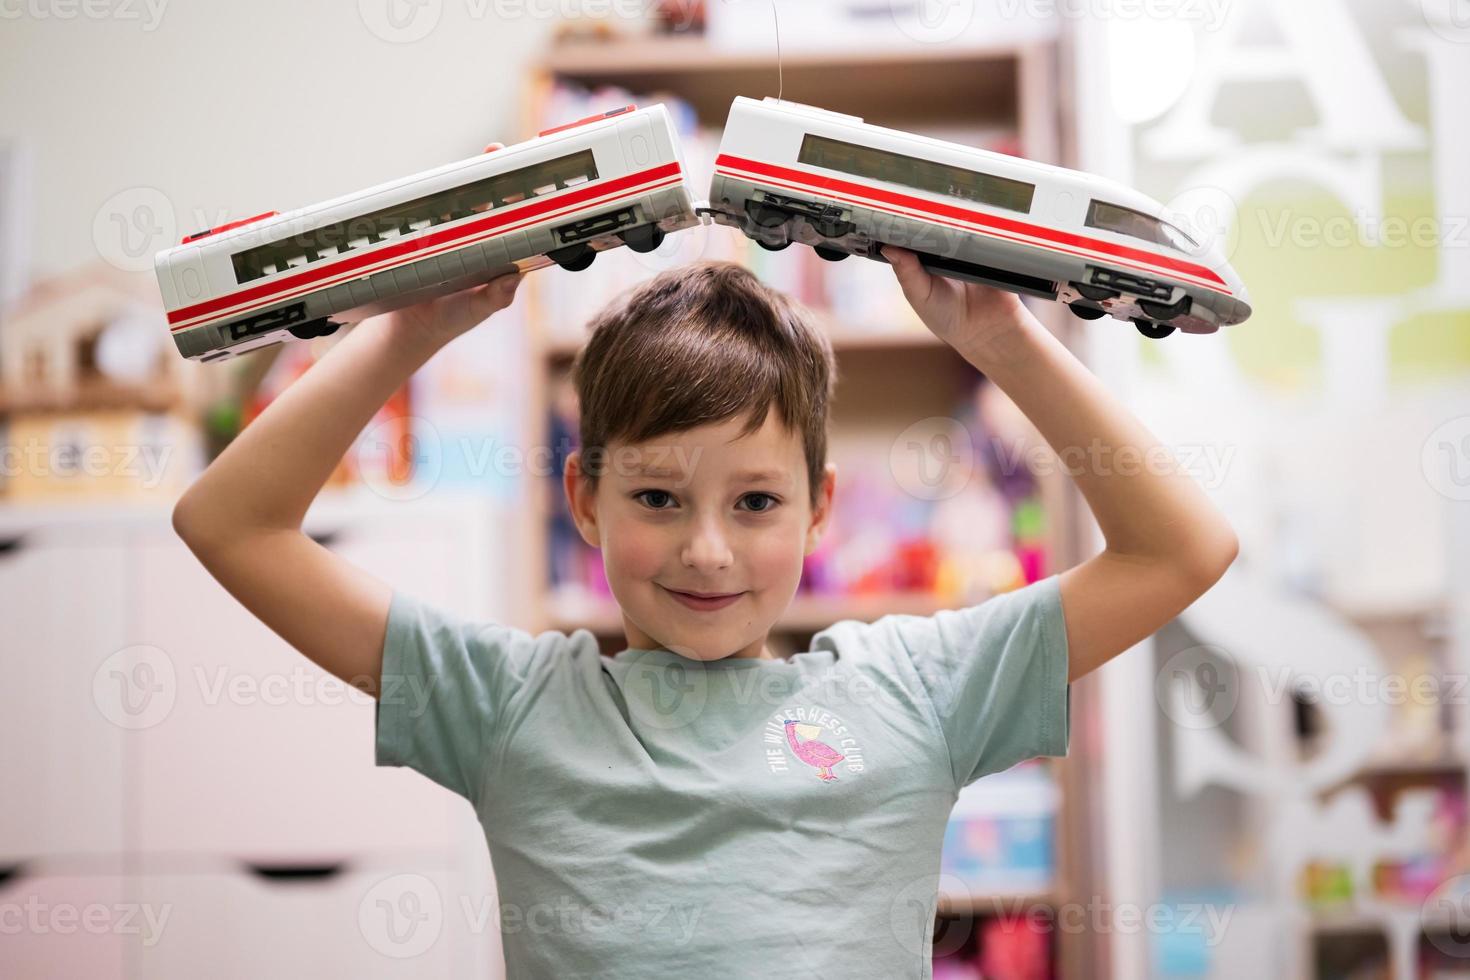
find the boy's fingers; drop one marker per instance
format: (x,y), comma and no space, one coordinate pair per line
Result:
(911,275)
(483,300)
(499,292)
(903,261)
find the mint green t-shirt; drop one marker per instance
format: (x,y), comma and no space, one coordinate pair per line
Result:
(654,816)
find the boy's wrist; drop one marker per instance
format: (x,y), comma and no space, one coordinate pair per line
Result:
(415,341)
(993,344)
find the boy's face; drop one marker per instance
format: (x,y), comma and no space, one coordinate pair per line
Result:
(703,511)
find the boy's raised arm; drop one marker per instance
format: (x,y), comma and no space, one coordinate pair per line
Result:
(1165,542)
(242,517)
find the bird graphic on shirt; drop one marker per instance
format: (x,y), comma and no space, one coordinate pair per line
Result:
(803,741)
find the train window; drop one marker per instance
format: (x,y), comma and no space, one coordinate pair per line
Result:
(924,175)
(1136,224)
(499,191)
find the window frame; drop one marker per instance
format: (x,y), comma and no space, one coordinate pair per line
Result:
(827,152)
(441,207)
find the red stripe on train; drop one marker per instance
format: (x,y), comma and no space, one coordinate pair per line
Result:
(314,273)
(965,214)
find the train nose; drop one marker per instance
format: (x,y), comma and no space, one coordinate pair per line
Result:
(1237,306)
(1240,304)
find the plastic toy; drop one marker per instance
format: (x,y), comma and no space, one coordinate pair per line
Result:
(607,180)
(789,172)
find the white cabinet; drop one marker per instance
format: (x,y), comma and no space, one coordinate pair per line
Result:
(64,693)
(383,922)
(67,925)
(264,755)
(165,752)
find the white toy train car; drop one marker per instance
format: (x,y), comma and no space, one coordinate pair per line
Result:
(788,172)
(612,179)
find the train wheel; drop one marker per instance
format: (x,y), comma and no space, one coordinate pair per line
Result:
(644,238)
(772,248)
(1153,331)
(573,258)
(329,328)
(766,216)
(1095,293)
(830,254)
(1087,312)
(1165,311)
(830,228)
(310,329)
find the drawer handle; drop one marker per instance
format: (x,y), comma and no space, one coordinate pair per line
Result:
(291,872)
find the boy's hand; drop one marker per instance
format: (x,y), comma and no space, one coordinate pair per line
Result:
(444,318)
(966,315)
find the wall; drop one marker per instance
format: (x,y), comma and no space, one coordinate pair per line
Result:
(148,123)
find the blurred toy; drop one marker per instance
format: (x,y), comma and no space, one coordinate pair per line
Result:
(1016,948)
(93,405)
(87,339)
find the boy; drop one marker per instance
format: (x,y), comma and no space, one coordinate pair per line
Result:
(694,805)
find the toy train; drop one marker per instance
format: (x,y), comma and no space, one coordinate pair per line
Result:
(607,180)
(788,172)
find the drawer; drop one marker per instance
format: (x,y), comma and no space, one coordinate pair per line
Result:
(393,920)
(67,698)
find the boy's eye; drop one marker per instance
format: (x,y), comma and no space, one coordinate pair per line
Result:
(654,500)
(641,494)
(771,505)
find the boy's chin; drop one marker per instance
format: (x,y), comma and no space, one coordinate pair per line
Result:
(689,644)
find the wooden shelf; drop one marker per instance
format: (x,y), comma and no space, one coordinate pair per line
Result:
(96,395)
(1000,903)
(1405,771)
(1412,767)
(1353,920)
(929,84)
(681,54)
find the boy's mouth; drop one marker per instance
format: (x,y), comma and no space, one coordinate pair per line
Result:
(703,601)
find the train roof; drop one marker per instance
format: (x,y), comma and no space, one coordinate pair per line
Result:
(511,152)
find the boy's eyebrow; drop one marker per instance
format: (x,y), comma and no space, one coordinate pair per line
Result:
(761,476)
(745,476)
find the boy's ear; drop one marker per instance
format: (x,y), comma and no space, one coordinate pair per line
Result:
(581,499)
(822,508)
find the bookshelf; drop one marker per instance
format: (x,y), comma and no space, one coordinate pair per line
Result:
(1007,94)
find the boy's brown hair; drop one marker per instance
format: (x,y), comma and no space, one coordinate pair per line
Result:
(700,344)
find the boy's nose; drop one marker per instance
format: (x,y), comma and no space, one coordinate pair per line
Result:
(707,548)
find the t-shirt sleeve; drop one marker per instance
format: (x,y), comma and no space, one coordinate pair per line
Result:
(446,683)
(996,675)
